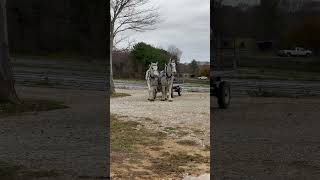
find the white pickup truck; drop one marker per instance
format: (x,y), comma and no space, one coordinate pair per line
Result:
(295,52)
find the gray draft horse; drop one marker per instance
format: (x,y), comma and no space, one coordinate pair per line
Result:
(166,78)
(152,78)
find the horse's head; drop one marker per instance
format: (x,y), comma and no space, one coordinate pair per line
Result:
(154,69)
(173,66)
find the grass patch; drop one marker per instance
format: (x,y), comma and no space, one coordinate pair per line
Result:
(274,74)
(128,135)
(29,105)
(130,80)
(207,148)
(177,163)
(197,131)
(187,143)
(175,130)
(118,95)
(12,172)
(170,129)
(142,153)
(197,81)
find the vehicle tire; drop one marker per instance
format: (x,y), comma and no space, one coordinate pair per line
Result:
(288,54)
(179,92)
(224,95)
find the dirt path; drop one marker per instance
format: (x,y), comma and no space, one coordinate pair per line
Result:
(267,138)
(69,140)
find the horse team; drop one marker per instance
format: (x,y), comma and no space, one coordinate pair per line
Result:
(162,81)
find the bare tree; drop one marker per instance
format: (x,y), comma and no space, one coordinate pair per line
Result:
(126,15)
(175,52)
(7,89)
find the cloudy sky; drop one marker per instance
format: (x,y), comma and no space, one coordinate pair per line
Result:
(186,25)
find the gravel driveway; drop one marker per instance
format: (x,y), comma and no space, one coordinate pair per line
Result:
(267,138)
(70,140)
(190,111)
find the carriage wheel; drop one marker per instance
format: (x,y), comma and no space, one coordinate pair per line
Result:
(171,92)
(179,92)
(224,95)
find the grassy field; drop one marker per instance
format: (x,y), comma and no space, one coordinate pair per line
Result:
(119,95)
(273,67)
(273,74)
(29,105)
(74,66)
(59,62)
(188,82)
(311,64)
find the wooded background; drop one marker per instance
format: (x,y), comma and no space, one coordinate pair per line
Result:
(69,27)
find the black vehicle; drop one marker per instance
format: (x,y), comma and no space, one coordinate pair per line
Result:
(176,88)
(221,90)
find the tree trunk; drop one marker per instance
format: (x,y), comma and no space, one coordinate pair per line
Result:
(112,88)
(7,89)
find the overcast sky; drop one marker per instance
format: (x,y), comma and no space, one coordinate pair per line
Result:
(186,24)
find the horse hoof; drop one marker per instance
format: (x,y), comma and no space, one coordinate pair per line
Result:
(170,100)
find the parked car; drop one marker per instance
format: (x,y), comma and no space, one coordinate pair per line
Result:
(298,51)
(203,78)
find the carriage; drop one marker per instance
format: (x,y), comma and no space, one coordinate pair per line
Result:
(176,87)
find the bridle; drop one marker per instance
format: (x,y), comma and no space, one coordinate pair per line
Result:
(151,71)
(166,70)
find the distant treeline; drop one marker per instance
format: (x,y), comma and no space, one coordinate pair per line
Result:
(40,27)
(132,64)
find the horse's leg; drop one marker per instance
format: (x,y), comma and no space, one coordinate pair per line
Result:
(149,89)
(152,93)
(167,92)
(163,89)
(170,89)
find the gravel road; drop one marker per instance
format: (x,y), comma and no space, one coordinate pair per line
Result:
(191,110)
(71,140)
(266,138)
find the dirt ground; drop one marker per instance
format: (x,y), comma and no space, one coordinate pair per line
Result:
(70,141)
(190,111)
(185,119)
(266,138)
